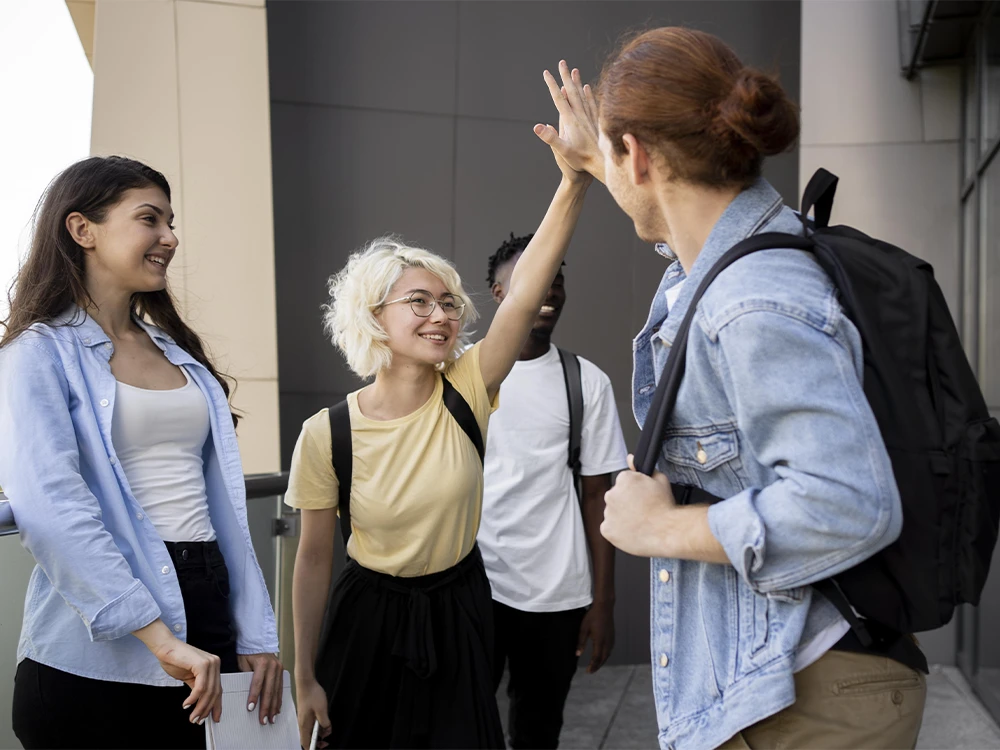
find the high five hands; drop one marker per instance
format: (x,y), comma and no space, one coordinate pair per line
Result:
(574,144)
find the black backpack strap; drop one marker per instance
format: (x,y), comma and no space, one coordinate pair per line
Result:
(819,195)
(462,413)
(574,396)
(342,449)
(832,591)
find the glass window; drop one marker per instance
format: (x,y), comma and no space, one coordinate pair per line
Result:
(991,82)
(971,97)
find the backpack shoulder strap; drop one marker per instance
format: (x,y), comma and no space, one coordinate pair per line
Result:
(342,449)
(462,413)
(574,395)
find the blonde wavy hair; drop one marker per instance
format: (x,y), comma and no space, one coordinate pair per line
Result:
(363,285)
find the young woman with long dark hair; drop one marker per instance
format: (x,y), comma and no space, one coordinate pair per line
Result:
(118,455)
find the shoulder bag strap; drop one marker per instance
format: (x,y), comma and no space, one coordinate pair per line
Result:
(342,449)
(574,396)
(462,413)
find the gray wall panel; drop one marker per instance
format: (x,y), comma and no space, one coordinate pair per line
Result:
(346,177)
(353,160)
(384,55)
(529,37)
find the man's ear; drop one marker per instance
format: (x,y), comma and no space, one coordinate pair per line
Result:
(637,159)
(497,291)
(81,229)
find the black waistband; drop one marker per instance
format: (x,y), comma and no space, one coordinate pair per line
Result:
(426,583)
(901,648)
(194,553)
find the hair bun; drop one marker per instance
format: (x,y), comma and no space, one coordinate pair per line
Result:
(758,112)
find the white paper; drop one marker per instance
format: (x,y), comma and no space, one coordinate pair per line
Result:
(240,729)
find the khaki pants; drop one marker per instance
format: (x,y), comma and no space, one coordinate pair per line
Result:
(844,700)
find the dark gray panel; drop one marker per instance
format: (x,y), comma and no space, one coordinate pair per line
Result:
(385,55)
(345,174)
(523,39)
(631,610)
(782,172)
(505,179)
(346,177)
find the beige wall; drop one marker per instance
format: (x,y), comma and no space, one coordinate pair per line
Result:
(183,86)
(894,144)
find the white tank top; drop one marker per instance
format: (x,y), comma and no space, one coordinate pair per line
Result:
(159,437)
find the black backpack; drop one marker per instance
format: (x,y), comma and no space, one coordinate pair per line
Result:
(943,444)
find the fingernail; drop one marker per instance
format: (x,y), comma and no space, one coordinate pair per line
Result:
(202,721)
(194,720)
(188,706)
(250,706)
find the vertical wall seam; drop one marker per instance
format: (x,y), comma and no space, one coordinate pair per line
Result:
(180,153)
(454,137)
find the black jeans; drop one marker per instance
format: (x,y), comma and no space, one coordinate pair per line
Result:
(539,649)
(56,709)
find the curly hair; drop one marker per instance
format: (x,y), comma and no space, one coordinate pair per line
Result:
(357,291)
(507,250)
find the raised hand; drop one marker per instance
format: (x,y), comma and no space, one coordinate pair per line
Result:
(574,144)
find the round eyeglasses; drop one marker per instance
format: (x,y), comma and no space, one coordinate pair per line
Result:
(423,303)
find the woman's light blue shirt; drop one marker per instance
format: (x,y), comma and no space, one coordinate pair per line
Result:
(102,570)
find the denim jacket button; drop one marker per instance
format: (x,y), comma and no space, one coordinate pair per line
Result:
(164,570)
(138,516)
(701,457)
(664,661)
(178,628)
(664,576)
(104,402)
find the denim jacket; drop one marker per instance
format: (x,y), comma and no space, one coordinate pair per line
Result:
(102,570)
(771,415)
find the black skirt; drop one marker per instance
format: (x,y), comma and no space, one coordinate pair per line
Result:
(407,662)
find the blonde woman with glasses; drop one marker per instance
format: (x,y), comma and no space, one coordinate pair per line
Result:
(405,659)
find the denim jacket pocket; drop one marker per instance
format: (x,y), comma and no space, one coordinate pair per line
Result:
(693,452)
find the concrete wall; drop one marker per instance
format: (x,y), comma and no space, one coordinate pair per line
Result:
(893,143)
(415,118)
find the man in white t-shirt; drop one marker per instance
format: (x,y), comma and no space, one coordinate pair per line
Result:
(551,571)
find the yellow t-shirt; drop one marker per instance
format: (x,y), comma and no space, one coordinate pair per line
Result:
(417,484)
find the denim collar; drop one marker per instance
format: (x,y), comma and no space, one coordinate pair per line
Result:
(92,335)
(745,215)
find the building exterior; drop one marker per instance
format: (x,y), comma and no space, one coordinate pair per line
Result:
(292,131)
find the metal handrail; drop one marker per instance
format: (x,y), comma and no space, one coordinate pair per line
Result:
(258,486)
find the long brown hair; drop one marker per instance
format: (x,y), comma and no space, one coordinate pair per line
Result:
(686,95)
(52,277)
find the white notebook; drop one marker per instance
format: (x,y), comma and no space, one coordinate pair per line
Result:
(240,729)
